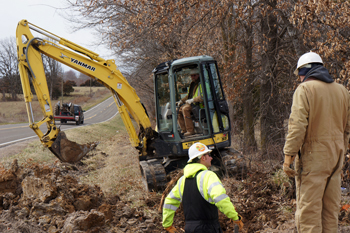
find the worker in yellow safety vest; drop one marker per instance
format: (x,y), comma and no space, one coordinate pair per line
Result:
(201,193)
(194,96)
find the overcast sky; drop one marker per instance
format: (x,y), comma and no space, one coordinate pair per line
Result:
(47,15)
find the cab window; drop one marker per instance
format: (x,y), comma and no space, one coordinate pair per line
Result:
(164,114)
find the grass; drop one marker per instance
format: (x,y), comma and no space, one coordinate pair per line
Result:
(114,165)
(281,180)
(35,152)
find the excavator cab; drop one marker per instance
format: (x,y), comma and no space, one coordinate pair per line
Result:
(210,118)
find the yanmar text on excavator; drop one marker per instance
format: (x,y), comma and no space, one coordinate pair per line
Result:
(161,150)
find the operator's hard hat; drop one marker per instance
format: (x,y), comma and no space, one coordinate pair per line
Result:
(307,58)
(194,71)
(197,150)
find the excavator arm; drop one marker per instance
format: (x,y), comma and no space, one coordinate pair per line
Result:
(29,50)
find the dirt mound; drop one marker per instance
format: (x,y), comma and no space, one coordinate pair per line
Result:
(51,199)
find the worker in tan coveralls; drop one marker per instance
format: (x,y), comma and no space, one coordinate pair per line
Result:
(319,130)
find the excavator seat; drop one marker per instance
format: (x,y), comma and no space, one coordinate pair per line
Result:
(199,119)
(197,113)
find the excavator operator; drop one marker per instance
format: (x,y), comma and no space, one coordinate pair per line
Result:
(193,96)
(201,193)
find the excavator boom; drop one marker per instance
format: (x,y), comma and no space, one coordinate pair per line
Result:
(30,49)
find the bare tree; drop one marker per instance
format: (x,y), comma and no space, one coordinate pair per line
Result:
(9,68)
(256,43)
(53,70)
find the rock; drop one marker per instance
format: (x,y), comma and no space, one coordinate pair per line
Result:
(42,188)
(52,229)
(44,219)
(40,209)
(83,220)
(64,202)
(106,210)
(83,203)
(14,166)
(132,221)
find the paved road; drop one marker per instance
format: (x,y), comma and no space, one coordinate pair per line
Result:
(13,133)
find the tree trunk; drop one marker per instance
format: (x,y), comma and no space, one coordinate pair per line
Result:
(271,120)
(249,142)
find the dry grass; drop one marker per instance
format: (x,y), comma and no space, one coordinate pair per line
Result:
(87,90)
(15,111)
(34,152)
(114,165)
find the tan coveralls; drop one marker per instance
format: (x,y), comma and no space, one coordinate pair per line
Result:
(319,128)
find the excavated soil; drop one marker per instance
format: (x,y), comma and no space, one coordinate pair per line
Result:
(51,198)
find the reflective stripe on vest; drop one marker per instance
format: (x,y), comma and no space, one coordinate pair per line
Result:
(201,187)
(219,198)
(170,207)
(172,196)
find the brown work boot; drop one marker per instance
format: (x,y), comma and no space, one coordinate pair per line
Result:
(183,131)
(188,133)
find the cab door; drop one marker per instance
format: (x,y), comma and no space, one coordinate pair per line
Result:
(218,108)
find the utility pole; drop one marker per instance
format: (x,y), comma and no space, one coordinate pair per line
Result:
(90,86)
(62,92)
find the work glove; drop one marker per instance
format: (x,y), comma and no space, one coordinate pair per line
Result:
(179,103)
(239,222)
(189,101)
(288,160)
(171,229)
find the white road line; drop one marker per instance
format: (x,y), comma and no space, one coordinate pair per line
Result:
(22,139)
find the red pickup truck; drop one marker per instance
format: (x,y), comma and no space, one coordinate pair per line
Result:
(69,112)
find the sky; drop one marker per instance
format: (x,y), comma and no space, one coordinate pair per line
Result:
(45,14)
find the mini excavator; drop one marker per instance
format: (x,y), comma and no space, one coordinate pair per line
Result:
(161,150)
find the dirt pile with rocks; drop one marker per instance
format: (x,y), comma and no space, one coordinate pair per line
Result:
(50,199)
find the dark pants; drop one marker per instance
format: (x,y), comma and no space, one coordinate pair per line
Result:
(203,227)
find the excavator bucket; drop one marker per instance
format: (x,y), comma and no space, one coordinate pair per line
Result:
(68,151)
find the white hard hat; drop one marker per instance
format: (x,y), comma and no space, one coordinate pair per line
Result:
(194,71)
(308,58)
(197,150)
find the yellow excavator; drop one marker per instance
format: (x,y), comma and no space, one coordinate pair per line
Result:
(161,151)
